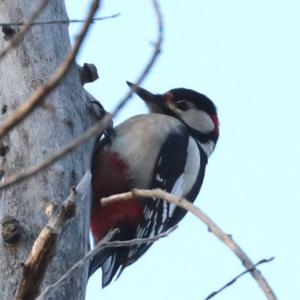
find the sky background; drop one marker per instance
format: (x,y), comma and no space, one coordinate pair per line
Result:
(244,55)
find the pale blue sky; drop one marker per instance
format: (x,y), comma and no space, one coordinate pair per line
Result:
(244,55)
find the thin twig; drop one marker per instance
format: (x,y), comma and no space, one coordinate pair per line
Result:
(78,264)
(11,43)
(212,227)
(28,106)
(98,128)
(58,154)
(58,22)
(232,281)
(148,67)
(105,243)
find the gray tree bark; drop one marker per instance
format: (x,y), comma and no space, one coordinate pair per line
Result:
(21,71)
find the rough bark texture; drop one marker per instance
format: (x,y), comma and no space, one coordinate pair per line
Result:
(22,70)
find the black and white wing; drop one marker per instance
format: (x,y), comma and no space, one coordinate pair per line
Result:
(179,170)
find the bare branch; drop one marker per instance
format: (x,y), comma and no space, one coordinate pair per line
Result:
(11,43)
(58,154)
(77,265)
(44,247)
(105,243)
(43,251)
(153,58)
(38,95)
(212,227)
(232,281)
(59,22)
(99,126)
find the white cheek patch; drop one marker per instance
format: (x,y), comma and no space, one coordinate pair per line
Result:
(199,120)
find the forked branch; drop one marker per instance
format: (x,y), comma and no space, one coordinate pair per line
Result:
(212,227)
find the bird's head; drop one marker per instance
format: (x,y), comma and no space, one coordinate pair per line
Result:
(193,109)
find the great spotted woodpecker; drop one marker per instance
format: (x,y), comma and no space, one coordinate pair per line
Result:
(168,149)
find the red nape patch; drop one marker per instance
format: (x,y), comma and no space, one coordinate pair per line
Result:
(216,122)
(124,215)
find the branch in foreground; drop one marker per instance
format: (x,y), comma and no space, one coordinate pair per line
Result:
(27,24)
(44,247)
(105,243)
(99,127)
(58,154)
(43,251)
(212,227)
(232,281)
(24,109)
(58,22)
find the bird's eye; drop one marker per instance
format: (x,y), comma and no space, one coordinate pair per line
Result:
(182,105)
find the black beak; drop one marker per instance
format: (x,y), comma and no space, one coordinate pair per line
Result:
(148,97)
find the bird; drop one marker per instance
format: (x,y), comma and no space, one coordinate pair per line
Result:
(167,148)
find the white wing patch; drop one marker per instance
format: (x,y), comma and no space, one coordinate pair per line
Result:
(158,214)
(177,191)
(185,182)
(165,211)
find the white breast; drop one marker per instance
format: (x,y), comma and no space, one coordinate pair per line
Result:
(138,141)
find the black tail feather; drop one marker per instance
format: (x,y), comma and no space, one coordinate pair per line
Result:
(97,261)
(110,261)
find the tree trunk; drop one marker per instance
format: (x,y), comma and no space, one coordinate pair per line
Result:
(21,71)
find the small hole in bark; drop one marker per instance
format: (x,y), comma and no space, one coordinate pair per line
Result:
(69,123)
(8,31)
(4,109)
(3,149)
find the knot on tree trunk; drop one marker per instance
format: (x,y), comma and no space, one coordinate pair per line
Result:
(11,230)
(88,73)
